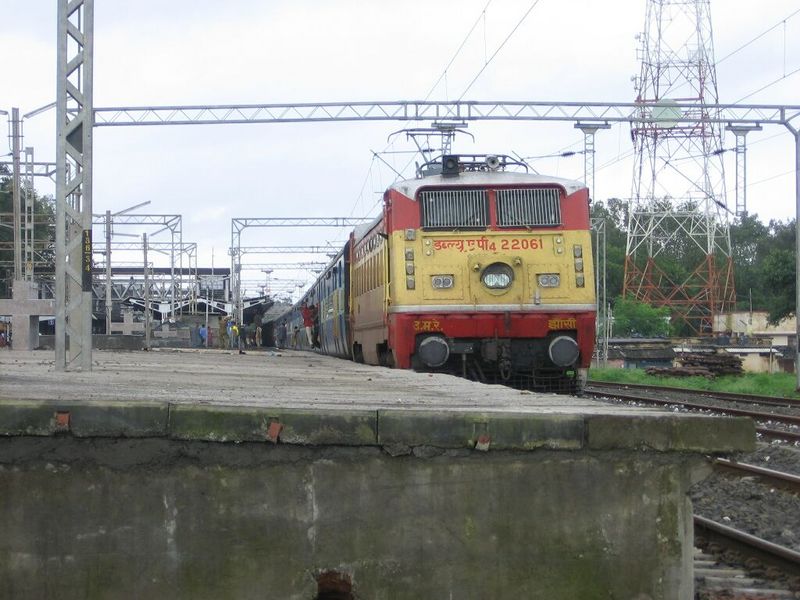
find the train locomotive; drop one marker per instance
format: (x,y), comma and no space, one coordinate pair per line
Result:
(476,268)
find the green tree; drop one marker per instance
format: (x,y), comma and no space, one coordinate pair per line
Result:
(43,234)
(634,318)
(780,275)
(764,265)
(614,213)
(749,245)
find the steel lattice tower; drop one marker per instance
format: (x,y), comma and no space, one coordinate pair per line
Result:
(678,217)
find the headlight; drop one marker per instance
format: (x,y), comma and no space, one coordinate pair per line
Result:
(442,282)
(549,280)
(497,276)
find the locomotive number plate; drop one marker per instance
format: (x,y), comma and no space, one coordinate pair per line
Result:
(484,243)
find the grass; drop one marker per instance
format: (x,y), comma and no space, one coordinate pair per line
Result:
(763,384)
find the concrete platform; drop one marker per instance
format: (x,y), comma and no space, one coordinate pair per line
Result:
(394,483)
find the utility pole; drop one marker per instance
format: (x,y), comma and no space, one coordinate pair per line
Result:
(74,123)
(146,295)
(29,239)
(15,193)
(108,272)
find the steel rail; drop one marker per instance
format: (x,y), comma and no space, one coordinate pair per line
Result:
(778,478)
(751,398)
(785,559)
(760,416)
(777,434)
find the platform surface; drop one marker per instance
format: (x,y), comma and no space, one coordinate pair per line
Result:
(440,409)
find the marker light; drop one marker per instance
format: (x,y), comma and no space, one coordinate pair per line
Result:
(442,282)
(549,280)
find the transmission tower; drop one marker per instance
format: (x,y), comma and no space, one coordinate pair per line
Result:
(678,218)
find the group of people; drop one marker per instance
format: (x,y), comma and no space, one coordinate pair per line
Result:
(287,336)
(235,336)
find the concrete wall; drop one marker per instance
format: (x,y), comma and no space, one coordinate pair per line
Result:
(754,323)
(159,519)
(156,500)
(123,342)
(101,342)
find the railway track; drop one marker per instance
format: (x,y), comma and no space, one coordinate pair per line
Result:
(744,398)
(765,421)
(786,481)
(735,565)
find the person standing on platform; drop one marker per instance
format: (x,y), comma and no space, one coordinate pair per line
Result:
(234,333)
(315,327)
(295,340)
(203,332)
(282,335)
(229,331)
(308,322)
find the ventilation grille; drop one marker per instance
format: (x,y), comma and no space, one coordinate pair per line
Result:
(535,208)
(454,209)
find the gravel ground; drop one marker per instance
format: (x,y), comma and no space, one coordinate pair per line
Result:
(750,505)
(746,502)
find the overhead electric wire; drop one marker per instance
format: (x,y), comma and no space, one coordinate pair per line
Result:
(458,51)
(500,47)
(363,185)
(761,89)
(482,14)
(758,37)
(784,174)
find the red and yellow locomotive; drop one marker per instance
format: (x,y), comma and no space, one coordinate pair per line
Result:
(476,270)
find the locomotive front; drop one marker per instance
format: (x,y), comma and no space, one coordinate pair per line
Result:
(491,275)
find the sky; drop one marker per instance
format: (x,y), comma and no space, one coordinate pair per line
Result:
(194,52)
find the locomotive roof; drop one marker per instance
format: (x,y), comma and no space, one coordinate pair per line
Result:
(410,187)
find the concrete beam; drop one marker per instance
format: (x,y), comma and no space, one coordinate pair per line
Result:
(25,308)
